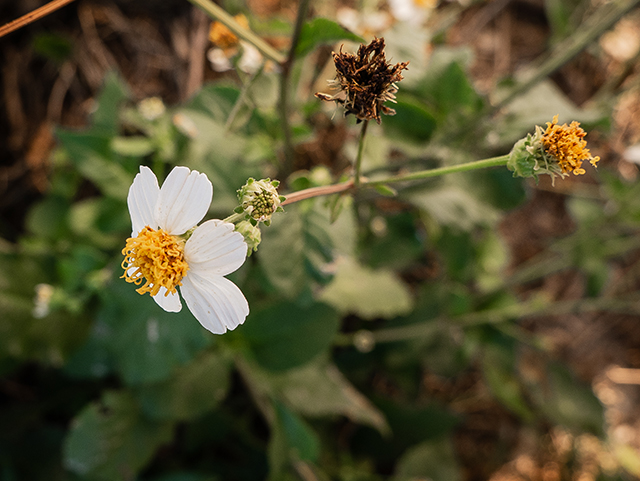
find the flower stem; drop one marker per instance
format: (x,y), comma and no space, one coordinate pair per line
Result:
(317,192)
(228,21)
(358,166)
(235,217)
(425,174)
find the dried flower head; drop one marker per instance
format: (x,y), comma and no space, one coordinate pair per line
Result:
(558,150)
(366,80)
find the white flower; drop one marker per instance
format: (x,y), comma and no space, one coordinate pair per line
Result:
(412,11)
(167,250)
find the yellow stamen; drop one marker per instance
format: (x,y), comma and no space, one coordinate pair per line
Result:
(157,257)
(566,144)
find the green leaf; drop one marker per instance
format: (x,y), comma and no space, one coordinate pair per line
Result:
(498,364)
(110,440)
(106,117)
(136,146)
(287,335)
(366,292)
(411,121)
(137,338)
(92,156)
(564,400)
(292,439)
(296,246)
(434,460)
(320,389)
(454,206)
(322,31)
(49,218)
(192,390)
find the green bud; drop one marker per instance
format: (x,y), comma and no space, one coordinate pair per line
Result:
(259,199)
(251,234)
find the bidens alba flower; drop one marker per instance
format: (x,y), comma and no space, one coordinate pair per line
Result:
(167,249)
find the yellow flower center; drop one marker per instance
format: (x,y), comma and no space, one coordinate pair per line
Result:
(156,257)
(566,144)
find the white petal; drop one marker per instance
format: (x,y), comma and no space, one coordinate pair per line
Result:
(216,302)
(184,200)
(170,303)
(142,199)
(215,249)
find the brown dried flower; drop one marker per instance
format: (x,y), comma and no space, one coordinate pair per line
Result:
(366,80)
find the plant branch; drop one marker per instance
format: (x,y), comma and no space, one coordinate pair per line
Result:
(31,17)
(423,174)
(285,75)
(598,23)
(358,165)
(450,169)
(535,307)
(228,21)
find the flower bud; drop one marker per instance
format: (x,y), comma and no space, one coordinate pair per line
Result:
(251,234)
(259,199)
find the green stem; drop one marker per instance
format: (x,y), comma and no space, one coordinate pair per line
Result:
(283,103)
(358,165)
(241,99)
(228,21)
(426,174)
(423,174)
(535,307)
(233,218)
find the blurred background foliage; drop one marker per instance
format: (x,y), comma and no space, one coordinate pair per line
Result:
(470,327)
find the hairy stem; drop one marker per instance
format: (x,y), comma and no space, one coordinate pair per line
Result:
(358,166)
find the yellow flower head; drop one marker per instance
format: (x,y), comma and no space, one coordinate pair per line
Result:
(558,150)
(566,144)
(224,38)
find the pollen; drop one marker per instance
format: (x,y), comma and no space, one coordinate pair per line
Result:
(566,144)
(155,257)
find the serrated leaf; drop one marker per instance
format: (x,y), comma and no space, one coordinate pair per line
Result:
(322,31)
(110,440)
(320,389)
(287,335)
(454,206)
(366,292)
(192,390)
(296,247)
